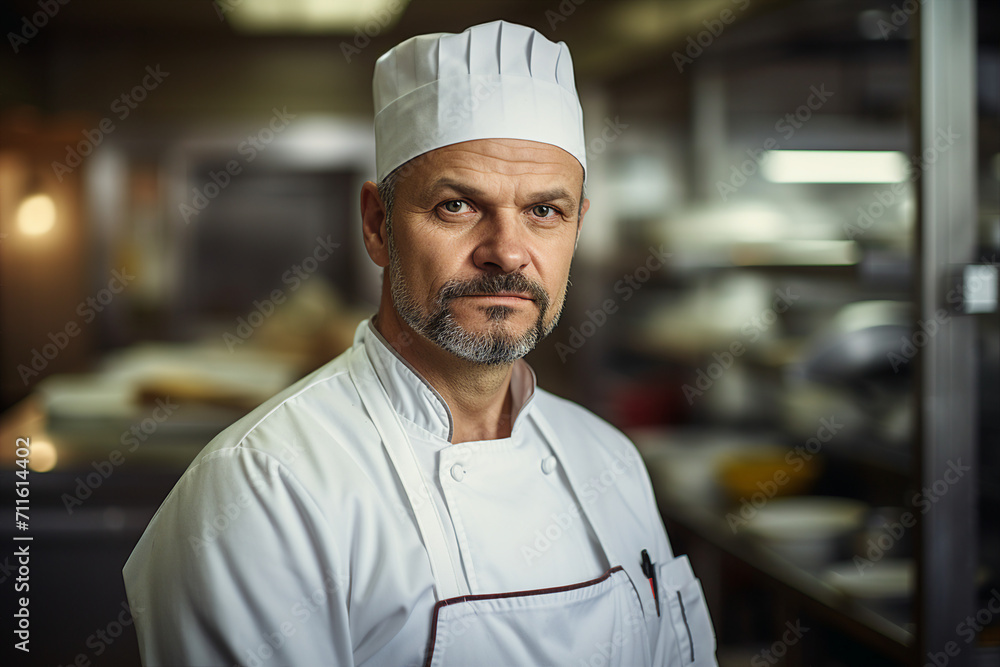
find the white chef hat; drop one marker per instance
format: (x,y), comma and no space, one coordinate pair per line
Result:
(495,80)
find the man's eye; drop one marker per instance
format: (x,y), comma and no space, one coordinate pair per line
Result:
(455,206)
(543,211)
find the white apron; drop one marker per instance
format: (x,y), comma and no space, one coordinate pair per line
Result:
(602,622)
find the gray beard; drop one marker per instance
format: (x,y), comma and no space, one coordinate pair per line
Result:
(494,347)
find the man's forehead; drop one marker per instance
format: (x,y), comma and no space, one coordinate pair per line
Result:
(496,159)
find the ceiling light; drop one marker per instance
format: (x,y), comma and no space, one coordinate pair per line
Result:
(834,166)
(370,17)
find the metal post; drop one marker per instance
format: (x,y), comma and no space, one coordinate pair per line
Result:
(948,555)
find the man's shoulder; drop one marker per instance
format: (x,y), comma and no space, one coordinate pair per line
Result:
(316,403)
(313,438)
(564,412)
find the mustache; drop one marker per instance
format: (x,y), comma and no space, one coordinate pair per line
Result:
(494,284)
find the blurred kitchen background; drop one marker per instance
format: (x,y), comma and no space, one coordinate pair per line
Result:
(785,290)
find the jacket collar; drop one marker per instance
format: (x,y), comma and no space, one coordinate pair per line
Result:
(414,399)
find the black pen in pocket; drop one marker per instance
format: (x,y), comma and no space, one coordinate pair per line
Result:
(649,570)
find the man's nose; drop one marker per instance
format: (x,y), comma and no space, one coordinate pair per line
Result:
(504,244)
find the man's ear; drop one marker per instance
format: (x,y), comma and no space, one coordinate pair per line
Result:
(373,226)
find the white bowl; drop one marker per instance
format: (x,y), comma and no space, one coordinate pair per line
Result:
(806,530)
(887,579)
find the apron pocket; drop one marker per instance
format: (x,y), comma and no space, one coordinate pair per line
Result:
(598,622)
(686,633)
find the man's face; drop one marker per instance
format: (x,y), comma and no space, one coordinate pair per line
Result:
(482,237)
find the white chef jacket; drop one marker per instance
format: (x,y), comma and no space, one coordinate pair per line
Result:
(291,540)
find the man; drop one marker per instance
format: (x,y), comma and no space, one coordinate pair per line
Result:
(418,500)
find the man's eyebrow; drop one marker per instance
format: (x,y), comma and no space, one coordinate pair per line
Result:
(466,190)
(463,189)
(556,194)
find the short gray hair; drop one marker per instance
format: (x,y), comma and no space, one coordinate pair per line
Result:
(387,193)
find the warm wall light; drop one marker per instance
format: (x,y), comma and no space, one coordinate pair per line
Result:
(43,456)
(834,166)
(368,16)
(36,215)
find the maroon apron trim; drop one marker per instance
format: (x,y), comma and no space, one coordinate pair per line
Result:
(512,594)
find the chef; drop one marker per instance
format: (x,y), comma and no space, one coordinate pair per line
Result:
(419,500)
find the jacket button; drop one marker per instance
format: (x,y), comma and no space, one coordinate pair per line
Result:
(457,472)
(548,465)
